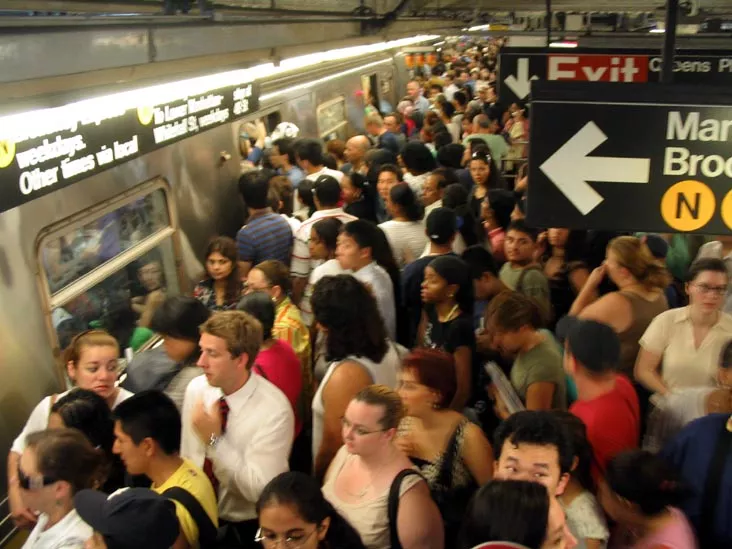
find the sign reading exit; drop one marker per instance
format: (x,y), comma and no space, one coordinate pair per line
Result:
(630,157)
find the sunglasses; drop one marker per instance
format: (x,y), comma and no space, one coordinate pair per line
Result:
(34,483)
(481,156)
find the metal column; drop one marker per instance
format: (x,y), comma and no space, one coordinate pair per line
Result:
(669,41)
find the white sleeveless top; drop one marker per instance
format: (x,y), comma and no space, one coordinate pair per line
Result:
(383,373)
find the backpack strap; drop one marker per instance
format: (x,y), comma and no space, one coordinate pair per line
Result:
(522,275)
(393,505)
(207,530)
(710,495)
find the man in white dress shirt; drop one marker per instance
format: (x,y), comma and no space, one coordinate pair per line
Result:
(237,427)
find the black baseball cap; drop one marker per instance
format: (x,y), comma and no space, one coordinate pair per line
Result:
(130,518)
(441,225)
(593,344)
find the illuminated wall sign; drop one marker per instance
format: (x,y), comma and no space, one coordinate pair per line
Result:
(518,67)
(630,157)
(67,148)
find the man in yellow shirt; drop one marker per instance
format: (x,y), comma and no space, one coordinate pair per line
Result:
(147,432)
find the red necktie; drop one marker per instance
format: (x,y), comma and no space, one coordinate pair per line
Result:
(207,463)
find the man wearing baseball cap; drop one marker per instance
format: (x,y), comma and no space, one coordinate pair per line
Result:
(441,228)
(606,400)
(130,518)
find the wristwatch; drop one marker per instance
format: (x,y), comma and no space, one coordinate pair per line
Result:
(213,440)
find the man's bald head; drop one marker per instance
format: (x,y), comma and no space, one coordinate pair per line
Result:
(356,148)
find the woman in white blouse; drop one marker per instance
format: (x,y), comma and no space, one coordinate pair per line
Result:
(91,363)
(688,341)
(54,466)
(405,231)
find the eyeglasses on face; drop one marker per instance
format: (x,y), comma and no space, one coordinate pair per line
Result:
(716,290)
(293,541)
(360,431)
(33,483)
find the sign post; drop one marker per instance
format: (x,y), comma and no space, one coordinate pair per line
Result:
(631,158)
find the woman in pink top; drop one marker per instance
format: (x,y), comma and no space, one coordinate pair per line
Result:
(640,492)
(276,361)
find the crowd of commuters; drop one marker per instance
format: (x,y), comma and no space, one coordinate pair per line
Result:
(388,355)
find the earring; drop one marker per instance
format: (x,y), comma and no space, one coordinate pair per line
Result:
(435,406)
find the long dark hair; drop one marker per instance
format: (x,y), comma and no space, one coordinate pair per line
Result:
(302,493)
(403,196)
(328,229)
(495,179)
(515,511)
(348,310)
(227,247)
(89,413)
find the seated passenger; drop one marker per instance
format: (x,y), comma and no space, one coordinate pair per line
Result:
(680,407)
(688,341)
(514,322)
(447,321)
(221,289)
(359,355)
(87,412)
(171,366)
(521,272)
(534,446)
(148,430)
(405,229)
(152,279)
(54,466)
(363,471)
(451,452)
(91,363)
(111,517)
(359,249)
(310,521)
(641,280)
(585,517)
(606,401)
(520,513)
(266,235)
(276,361)
(237,427)
(641,494)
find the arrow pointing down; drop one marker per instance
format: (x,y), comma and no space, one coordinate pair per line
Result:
(570,168)
(521,86)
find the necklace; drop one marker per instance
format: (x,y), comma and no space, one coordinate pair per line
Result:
(361,493)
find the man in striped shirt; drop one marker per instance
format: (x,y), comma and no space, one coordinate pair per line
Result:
(327,194)
(267,235)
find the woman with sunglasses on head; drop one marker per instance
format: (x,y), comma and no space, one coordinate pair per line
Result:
(91,363)
(688,341)
(294,514)
(54,466)
(486,175)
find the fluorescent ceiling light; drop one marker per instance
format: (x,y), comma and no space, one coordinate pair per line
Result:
(32,124)
(479,28)
(563,45)
(657,31)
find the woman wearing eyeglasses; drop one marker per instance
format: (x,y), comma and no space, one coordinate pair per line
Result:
(688,341)
(293,514)
(91,363)
(54,466)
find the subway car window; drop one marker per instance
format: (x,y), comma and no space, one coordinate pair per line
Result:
(123,303)
(69,256)
(332,119)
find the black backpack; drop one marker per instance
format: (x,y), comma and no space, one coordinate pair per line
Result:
(207,531)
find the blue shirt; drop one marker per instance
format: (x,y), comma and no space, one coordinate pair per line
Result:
(265,236)
(295,175)
(691,453)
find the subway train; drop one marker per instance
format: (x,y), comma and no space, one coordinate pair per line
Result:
(85,255)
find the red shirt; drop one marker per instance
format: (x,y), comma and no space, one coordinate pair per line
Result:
(612,421)
(280,366)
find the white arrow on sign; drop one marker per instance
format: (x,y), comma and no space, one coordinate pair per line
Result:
(521,83)
(570,168)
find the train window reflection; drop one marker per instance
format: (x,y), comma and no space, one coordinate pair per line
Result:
(123,303)
(70,256)
(332,118)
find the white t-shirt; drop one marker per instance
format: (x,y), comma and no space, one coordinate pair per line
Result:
(38,420)
(69,533)
(406,238)
(586,519)
(329,268)
(380,284)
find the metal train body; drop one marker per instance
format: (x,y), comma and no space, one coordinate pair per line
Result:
(198,183)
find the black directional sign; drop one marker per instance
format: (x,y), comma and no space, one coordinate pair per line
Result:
(629,157)
(518,67)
